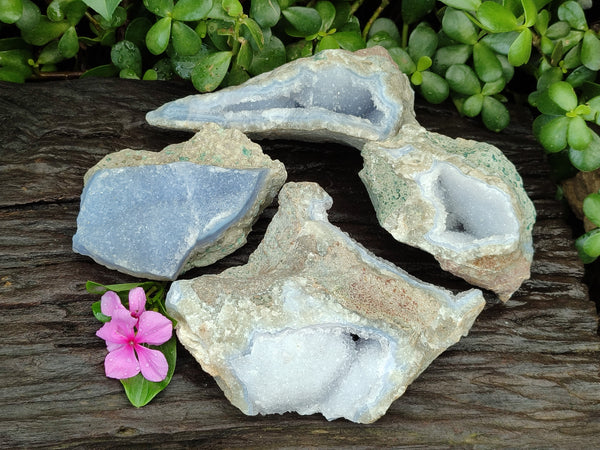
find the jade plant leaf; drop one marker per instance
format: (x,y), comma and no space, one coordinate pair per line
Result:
(588,159)
(423,41)
(304,21)
(494,114)
(588,246)
(486,64)
(591,208)
(328,42)
(185,40)
(271,56)
(467,5)
(190,10)
(572,13)
(579,136)
(327,12)
(350,40)
(520,50)
(103,7)
(472,105)
(459,27)
(552,132)
(434,88)
(496,18)
(403,60)
(68,45)
(255,31)
(590,50)
(126,55)
(159,7)
(530,12)
(210,71)
(266,12)
(463,80)
(137,29)
(44,31)
(233,7)
(157,38)
(10,10)
(563,95)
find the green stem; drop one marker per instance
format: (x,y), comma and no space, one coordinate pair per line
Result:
(93,21)
(355,6)
(404,35)
(382,6)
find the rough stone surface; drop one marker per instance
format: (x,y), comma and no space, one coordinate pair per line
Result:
(156,215)
(462,201)
(314,322)
(334,96)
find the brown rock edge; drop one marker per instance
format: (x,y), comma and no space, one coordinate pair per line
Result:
(527,374)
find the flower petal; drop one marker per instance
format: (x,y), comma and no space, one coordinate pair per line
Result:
(137,301)
(153,328)
(119,330)
(121,363)
(110,302)
(153,364)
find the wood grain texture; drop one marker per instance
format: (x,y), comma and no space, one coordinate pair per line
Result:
(526,375)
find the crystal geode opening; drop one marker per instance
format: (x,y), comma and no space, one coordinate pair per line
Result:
(469,212)
(337,370)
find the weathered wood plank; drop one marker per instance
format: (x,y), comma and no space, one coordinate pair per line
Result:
(527,374)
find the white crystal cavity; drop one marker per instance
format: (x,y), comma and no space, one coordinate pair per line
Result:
(462,201)
(334,96)
(159,214)
(314,322)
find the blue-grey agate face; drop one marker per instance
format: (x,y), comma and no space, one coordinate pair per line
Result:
(146,220)
(333,97)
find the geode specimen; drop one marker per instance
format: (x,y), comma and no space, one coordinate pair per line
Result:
(314,322)
(462,201)
(334,96)
(156,215)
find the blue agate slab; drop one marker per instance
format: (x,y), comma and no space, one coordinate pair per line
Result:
(336,95)
(149,220)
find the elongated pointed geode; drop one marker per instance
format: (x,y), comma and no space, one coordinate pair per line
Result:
(335,95)
(462,201)
(156,215)
(314,322)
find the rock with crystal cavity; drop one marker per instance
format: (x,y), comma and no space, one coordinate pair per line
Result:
(156,215)
(315,322)
(462,201)
(335,95)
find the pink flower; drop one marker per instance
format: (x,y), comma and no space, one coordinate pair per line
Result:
(126,355)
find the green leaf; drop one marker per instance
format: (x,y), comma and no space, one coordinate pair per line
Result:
(496,18)
(387,26)
(423,63)
(10,10)
(434,88)
(414,10)
(103,71)
(210,71)
(579,136)
(184,65)
(56,10)
(233,8)
(68,45)
(30,17)
(571,12)
(140,391)
(255,31)
(350,40)
(382,39)
(299,49)
(494,87)
(500,42)
(265,12)
(416,78)
(463,80)
(305,21)
(590,51)
(218,32)
(44,32)
(472,105)
(191,10)
(126,55)
(11,75)
(150,75)
(573,58)
(486,64)
(588,159)
(563,95)
(343,13)
(328,42)
(97,311)
(103,7)
(161,8)
(446,56)
(403,60)
(467,5)
(459,27)
(423,41)
(591,208)
(244,56)
(136,31)
(580,76)
(327,11)
(157,38)
(50,54)
(185,40)
(593,247)
(530,11)
(271,56)
(494,114)
(552,132)
(520,50)
(558,30)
